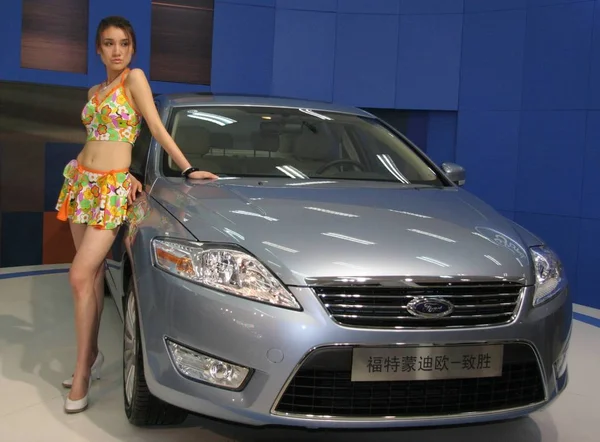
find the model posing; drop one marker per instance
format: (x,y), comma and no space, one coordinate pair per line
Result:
(98,188)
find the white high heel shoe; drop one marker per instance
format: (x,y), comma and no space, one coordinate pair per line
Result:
(78,405)
(96,369)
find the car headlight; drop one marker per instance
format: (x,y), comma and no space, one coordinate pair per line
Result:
(549,274)
(223,268)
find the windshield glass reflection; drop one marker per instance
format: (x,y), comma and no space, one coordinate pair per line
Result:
(298,144)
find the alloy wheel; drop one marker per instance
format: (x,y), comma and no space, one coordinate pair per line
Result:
(130,348)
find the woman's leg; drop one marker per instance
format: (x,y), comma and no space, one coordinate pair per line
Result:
(77,231)
(99,292)
(90,255)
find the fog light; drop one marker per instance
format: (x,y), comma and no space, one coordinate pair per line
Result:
(203,368)
(560,366)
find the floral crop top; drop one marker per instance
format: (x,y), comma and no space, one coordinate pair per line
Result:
(113,118)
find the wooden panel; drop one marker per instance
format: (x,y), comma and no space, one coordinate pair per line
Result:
(58,247)
(22,172)
(181,43)
(55,35)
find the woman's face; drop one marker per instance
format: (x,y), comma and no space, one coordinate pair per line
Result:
(115,48)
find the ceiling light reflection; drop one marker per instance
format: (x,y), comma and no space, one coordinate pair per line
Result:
(350,266)
(433,261)
(292,172)
(310,183)
(389,164)
(234,234)
(332,212)
(213,118)
(431,235)
(410,214)
(315,114)
(348,238)
(494,260)
(209,120)
(280,247)
(257,215)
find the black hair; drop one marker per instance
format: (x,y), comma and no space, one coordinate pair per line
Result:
(117,22)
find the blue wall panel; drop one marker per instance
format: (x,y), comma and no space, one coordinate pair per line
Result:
(561,233)
(534,3)
(492,60)
(429,61)
(416,129)
(22,238)
(431,6)
(587,263)
(242,60)
(550,168)
(441,136)
(590,198)
(389,7)
(494,5)
(594,92)
(308,5)
(303,59)
(366,59)
(10,35)
(269,3)
(507,214)
(557,51)
(487,146)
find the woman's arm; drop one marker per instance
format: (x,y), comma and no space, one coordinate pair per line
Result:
(134,189)
(144,101)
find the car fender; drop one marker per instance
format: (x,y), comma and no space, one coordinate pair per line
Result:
(148,221)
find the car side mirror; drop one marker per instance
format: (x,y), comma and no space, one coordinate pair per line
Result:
(455,173)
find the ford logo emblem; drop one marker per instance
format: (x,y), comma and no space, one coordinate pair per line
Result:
(430,307)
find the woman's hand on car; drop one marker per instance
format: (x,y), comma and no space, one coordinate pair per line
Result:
(202,175)
(134,189)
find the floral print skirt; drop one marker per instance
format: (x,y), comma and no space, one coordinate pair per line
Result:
(92,197)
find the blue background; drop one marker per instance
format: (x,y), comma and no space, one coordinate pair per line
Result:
(510,89)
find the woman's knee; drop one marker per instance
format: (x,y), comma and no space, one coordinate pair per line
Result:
(81,280)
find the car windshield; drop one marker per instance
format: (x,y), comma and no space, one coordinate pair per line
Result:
(254,141)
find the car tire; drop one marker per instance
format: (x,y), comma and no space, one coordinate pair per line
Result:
(106,289)
(141,407)
(105,285)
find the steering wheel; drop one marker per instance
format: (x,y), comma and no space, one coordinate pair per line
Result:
(340,161)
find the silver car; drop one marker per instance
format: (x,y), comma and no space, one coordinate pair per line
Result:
(332,277)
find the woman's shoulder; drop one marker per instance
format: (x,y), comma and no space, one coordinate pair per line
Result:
(136,75)
(92,91)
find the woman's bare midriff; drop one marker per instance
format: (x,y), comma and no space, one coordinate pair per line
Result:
(105,155)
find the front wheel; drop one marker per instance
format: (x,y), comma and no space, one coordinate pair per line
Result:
(141,407)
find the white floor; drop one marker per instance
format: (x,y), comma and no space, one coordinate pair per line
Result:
(37,347)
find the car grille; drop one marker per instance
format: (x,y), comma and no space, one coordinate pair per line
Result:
(322,388)
(476,304)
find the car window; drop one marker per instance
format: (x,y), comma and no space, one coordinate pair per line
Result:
(139,154)
(294,143)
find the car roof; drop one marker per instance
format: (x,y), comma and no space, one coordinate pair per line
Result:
(210,99)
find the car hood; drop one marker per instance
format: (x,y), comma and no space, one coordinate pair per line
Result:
(305,230)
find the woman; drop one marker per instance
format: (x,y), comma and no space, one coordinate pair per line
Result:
(98,187)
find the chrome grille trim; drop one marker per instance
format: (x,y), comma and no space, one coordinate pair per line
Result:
(449,416)
(477,304)
(406,281)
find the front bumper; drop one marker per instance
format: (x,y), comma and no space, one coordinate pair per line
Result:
(276,343)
